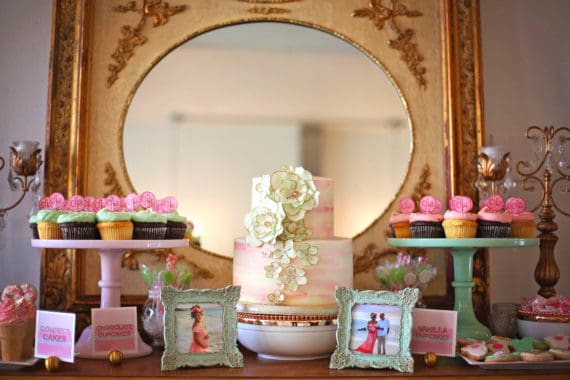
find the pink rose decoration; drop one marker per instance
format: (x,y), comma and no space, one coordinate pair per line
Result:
(76,203)
(494,203)
(168,205)
(113,203)
(132,202)
(57,201)
(515,205)
(89,204)
(44,203)
(460,203)
(147,199)
(407,205)
(99,204)
(430,205)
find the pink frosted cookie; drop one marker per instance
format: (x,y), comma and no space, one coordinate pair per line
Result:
(558,342)
(475,351)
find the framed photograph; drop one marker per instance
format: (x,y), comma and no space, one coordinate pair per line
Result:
(200,328)
(374,329)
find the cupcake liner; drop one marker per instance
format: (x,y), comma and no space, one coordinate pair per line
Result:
(49,231)
(523,230)
(17,340)
(459,229)
(149,230)
(175,230)
(423,230)
(79,231)
(401,230)
(34,228)
(122,230)
(487,229)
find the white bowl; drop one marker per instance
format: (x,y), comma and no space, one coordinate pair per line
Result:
(542,329)
(288,342)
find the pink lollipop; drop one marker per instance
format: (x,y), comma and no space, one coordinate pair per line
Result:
(57,201)
(407,205)
(113,203)
(168,205)
(76,203)
(147,199)
(132,202)
(515,205)
(44,203)
(461,203)
(494,202)
(430,205)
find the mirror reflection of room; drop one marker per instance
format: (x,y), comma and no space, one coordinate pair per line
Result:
(254,97)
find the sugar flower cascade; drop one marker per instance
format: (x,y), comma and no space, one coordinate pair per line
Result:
(277,219)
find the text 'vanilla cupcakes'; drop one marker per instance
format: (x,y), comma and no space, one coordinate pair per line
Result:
(522,224)
(400,221)
(492,221)
(458,222)
(427,222)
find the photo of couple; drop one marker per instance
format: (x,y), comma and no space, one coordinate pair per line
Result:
(372,329)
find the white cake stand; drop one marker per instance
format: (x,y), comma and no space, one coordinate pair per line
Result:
(110,252)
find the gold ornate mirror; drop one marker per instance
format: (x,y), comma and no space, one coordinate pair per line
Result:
(106,54)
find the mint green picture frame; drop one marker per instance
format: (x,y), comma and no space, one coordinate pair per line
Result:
(347,299)
(227,353)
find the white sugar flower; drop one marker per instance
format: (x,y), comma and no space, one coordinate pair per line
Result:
(284,251)
(307,254)
(295,230)
(264,223)
(295,189)
(273,270)
(276,297)
(290,278)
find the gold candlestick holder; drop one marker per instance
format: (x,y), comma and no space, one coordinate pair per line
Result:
(550,168)
(25,161)
(493,172)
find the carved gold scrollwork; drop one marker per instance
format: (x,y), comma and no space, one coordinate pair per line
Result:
(132,37)
(380,15)
(57,277)
(268,6)
(111,180)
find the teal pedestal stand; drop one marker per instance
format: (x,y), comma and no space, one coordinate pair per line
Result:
(462,251)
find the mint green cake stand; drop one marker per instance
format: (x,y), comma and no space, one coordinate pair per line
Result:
(462,251)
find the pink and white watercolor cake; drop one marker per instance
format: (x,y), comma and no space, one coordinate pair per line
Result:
(290,262)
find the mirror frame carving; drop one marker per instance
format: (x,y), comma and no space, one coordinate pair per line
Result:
(67,131)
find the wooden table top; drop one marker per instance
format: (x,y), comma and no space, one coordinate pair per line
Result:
(256,368)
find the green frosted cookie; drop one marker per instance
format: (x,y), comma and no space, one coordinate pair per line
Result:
(522,345)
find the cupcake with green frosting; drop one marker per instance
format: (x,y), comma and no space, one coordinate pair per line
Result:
(175,225)
(33,221)
(48,228)
(114,225)
(79,225)
(149,225)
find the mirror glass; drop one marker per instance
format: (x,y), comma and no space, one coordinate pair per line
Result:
(244,100)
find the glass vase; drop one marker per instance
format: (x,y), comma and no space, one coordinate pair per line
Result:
(153,317)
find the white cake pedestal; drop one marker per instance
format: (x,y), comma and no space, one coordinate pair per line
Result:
(110,252)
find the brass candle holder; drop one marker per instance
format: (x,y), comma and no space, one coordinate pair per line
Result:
(493,171)
(550,168)
(25,161)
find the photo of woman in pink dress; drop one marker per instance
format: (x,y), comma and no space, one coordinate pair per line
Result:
(200,337)
(367,347)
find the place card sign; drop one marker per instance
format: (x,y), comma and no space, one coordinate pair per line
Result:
(434,331)
(55,332)
(114,328)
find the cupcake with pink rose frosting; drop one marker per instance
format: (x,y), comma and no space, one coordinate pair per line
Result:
(400,220)
(458,221)
(17,322)
(427,222)
(493,221)
(522,225)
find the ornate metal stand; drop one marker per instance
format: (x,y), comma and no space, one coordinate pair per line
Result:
(546,273)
